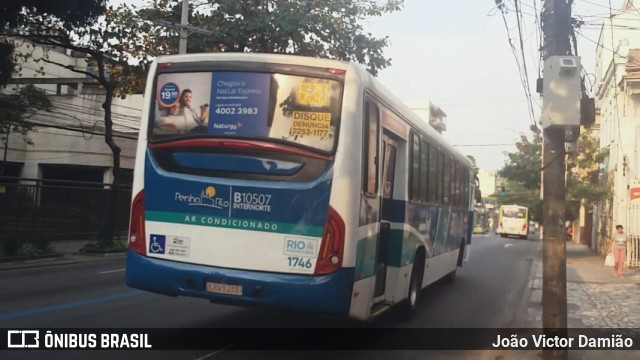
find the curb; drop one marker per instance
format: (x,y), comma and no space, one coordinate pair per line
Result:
(34,264)
(115,255)
(532,286)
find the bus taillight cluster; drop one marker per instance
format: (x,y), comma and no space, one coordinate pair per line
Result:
(332,248)
(136,225)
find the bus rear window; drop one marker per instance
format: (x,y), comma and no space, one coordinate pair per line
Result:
(514,213)
(297,109)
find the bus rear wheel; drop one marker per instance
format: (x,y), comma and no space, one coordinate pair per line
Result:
(409,306)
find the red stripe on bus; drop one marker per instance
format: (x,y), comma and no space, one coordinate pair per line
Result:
(239,144)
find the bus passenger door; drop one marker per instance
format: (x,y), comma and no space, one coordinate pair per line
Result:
(388,156)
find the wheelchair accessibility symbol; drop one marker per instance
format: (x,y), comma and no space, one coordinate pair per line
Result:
(157,244)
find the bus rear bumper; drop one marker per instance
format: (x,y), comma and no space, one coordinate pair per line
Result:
(326,294)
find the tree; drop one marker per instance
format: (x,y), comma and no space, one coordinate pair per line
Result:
(522,174)
(330,29)
(583,177)
(518,194)
(107,43)
(16,109)
(14,14)
(476,180)
(523,165)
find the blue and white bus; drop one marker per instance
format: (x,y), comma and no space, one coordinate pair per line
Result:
(291,182)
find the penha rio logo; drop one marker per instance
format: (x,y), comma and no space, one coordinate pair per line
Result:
(206,198)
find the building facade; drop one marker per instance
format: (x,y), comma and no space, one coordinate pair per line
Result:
(67,142)
(56,180)
(431,113)
(618,100)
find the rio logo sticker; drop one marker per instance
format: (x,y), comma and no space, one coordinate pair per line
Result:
(300,247)
(207,198)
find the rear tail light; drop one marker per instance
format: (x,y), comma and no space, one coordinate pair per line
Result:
(137,241)
(500,224)
(337,71)
(166,64)
(332,247)
(524,227)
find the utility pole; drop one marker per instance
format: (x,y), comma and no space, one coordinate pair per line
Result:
(556,26)
(184,22)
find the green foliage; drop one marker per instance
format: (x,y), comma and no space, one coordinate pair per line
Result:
(329,29)
(583,176)
(518,194)
(16,109)
(15,14)
(522,171)
(523,165)
(100,248)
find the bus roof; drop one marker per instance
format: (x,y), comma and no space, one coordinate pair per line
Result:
(256,57)
(513,206)
(383,92)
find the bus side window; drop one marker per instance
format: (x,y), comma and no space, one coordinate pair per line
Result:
(465,188)
(371,136)
(453,197)
(458,184)
(424,171)
(433,174)
(447,180)
(415,168)
(441,177)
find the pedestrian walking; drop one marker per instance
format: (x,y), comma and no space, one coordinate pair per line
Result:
(618,246)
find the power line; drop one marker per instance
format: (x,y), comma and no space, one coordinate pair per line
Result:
(615,84)
(606,48)
(501,7)
(82,97)
(524,63)
(596,4)
(632,5)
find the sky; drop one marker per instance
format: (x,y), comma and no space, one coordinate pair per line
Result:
(456,54)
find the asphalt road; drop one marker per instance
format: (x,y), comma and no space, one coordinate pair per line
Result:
(488,292)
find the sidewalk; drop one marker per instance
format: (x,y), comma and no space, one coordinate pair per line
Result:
(595,299)
(70,251)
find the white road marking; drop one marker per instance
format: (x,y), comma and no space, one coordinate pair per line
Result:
(111,271)
(507,245)
(214,353)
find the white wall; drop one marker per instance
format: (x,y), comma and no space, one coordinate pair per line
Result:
(487,182)
(620,111)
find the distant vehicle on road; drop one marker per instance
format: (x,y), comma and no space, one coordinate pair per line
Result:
(292,182)
(513,220)
(480,223)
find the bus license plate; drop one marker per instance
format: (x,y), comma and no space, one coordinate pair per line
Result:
(224,288)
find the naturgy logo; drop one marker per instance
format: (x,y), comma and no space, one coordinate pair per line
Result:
(206,198)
